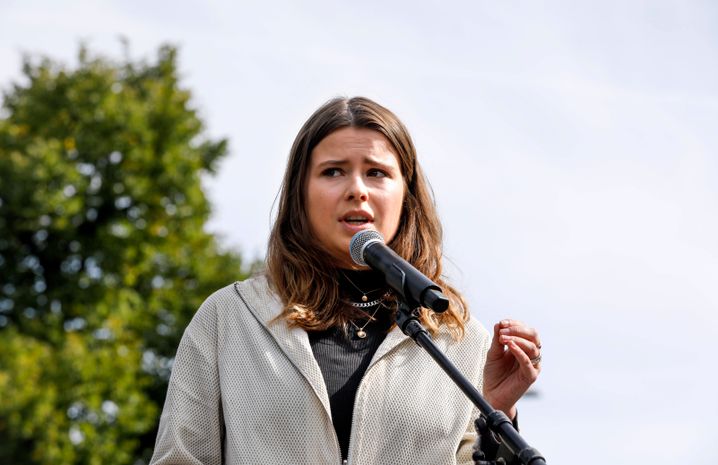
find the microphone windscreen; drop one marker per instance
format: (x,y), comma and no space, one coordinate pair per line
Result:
(359,243)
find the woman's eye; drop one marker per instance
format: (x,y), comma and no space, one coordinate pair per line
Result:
(331,172)
(377,173)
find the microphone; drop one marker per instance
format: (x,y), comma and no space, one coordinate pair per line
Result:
(367,248)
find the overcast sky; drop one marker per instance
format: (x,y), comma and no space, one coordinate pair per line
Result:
(572,148)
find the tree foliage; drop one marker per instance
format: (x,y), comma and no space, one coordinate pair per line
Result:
(103,255)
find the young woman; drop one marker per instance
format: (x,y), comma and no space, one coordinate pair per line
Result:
(304,364)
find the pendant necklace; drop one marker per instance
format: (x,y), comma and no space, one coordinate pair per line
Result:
(361,334)
(364,297)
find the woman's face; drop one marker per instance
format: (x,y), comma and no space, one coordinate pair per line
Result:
(354,182)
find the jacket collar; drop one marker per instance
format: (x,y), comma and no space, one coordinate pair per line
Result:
(294,342)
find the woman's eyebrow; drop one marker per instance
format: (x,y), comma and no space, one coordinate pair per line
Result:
(331,163)
(379,163)
(367,160)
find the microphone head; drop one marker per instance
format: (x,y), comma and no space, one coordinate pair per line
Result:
(360,241)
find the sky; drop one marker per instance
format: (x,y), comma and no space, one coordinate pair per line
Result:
(573,152)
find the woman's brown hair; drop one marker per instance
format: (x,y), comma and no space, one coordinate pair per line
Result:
(302,272)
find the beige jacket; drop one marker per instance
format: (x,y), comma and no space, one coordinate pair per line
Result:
(247,390)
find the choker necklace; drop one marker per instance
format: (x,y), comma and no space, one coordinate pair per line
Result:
(369,304)
(361,334)
(364,298)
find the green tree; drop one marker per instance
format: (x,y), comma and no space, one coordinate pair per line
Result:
(103,255)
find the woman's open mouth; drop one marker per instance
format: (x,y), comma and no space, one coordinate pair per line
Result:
(356,220)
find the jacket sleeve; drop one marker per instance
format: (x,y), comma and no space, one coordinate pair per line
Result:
(191,426)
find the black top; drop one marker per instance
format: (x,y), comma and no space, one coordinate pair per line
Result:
(343,356)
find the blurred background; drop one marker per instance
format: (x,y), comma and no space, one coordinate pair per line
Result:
(572,148)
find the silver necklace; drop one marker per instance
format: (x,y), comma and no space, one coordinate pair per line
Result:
(361,334)
(364,298)
(369,304)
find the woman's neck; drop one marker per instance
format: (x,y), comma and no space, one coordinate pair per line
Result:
(361,285)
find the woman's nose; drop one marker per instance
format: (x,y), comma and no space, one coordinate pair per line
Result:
(357,189)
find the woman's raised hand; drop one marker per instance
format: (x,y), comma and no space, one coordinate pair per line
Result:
(512,364)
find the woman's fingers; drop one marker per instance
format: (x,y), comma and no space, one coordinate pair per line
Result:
(530,370)
(517,328)
(524,337)
(496,350)
(528,347)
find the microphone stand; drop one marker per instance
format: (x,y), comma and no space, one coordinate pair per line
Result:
(497,421)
